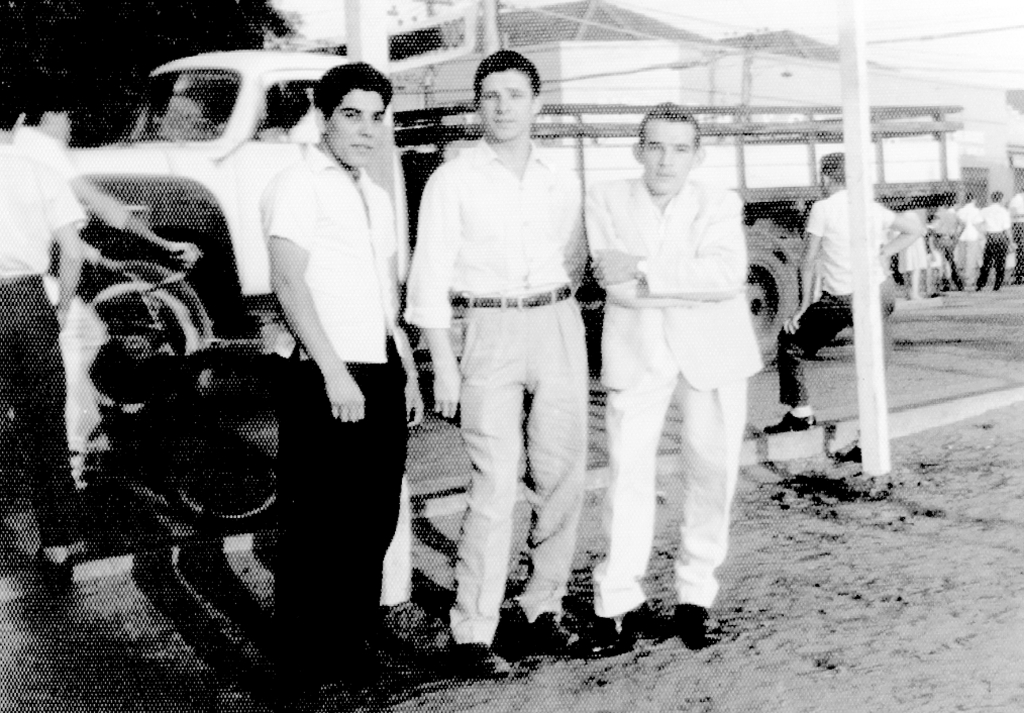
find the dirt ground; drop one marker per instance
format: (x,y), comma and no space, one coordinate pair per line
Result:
(839,594)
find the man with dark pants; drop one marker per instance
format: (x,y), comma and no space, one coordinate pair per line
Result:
(37,211)
(499,234)
(997,244)
(343,416)
(829,247)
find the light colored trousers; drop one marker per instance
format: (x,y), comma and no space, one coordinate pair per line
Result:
(80,341)
(528,363)
(712,434)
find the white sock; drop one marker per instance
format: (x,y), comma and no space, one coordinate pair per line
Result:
(802,411)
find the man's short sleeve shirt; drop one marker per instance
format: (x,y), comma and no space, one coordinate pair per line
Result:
(35,202)
(997,218)
(348,232)
(830,220)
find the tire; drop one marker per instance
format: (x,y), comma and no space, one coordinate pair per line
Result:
(143,321)
(773,287)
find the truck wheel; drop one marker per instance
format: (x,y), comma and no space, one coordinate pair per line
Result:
(773,288)
(143,321)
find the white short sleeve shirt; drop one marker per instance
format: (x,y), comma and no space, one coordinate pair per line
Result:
(348,230)
(35,202)
(997,218)
(830,220)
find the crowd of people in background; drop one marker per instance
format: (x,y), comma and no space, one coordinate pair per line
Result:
(964,245)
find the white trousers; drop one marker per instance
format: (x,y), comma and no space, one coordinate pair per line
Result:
(396,583)
(524,388)
(712,434)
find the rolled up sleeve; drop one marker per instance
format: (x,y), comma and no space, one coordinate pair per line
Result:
(437,248)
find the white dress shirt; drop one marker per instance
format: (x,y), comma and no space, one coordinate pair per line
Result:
(484,231)
(348,229)
(830,221)
(997,218)
(971,216)
(35,201)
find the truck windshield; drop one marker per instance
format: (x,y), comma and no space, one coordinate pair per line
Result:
(187,105)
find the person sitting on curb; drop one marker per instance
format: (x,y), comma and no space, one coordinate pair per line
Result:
(829,248)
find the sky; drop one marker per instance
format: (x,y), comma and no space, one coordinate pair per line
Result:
(986,46)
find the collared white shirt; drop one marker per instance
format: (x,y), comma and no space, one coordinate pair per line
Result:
(997,218)
(696,245)
(35,202)
(41,147)
(970,214)
(484,231)
(348,230)
(830,221)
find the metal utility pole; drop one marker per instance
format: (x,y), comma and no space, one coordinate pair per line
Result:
(489,19)
(366,32)
(867,313)
(747,76)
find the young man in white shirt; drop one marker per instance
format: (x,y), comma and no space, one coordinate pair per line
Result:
(672,255)
(971,246)
(37,211)
(500,235)
(829,245)
(333,264)
(997,241)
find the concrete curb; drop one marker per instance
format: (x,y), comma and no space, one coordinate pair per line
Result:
(825,439)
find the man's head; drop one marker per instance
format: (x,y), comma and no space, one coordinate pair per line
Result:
(507,93)
(833,171)
(668,149)
(11,106)
(997,197)
(181,120)
(351,100)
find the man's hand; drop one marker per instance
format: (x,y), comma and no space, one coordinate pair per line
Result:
(185,253)
(347,402)
(447,383)
(793,323)
(612,267)
(413,402)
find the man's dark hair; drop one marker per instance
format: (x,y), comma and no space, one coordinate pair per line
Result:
(338,81)
(667,111)
(10,101)
(833,165)
(504,61)
(997,196)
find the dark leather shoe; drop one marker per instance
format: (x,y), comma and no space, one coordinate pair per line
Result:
(691,623)
(791,423)
(607,637)
(547,635)
(479,661)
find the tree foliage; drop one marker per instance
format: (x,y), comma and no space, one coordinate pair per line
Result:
(93,57)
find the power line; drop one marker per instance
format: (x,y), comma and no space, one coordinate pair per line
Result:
(944,35)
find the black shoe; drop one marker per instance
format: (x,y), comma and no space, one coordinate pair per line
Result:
(791,423)
(548,636)
(479,661)
(608,637)
(691,624)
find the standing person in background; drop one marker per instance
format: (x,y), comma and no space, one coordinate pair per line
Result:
(500,235)
(333,266)
(972,240)
(945,228)
(913,261)
(43,136)
(829,247)
(37,211)
(1016,208)
(672,255)
(997,241)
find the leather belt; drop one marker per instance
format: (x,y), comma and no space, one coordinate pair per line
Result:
(536,300)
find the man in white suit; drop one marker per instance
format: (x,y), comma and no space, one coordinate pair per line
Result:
(672,256)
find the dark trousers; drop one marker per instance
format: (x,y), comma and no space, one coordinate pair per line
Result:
(996,248)
(32,397)
(819,325)
(339,487)
(948,253)
(1018,238)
